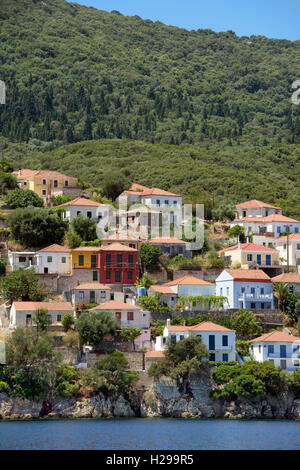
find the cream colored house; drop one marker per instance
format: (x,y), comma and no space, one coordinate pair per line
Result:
(249,255)
(289,249)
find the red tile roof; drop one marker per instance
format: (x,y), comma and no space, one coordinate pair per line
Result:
(82,201)
(117,247)
(120,237)
(163,289)
(269,218)
(115,305)
(292,236)
(92,286)
(138,189)
(32,306)
(87,248)
(204,326)
(293,278)
(255,203)
(55,249)
(27,173)
(154,355)
(188,280)
(276,337)
(249,275)
(167,241)
(248,247)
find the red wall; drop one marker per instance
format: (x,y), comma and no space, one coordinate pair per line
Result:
(123,270)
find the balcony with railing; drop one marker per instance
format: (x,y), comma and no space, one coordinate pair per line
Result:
(252,297)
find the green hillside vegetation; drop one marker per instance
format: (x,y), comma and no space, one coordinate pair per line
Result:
(235,173)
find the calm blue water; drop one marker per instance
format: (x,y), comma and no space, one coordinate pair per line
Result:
(149,434)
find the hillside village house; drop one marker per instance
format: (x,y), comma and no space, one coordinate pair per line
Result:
(265,230)
(187,286)
(156,198)
(250,255)
(220,341)
(47,184)
(279,348)
(54,259)
(139,221)
(172,246)
(289,249)
(245,289)
(21,313)
(129,316)
(91,293)
(21,259)
(293,279)
(126,240)
(255,208)
(84,263)
(86,207)
(118,264)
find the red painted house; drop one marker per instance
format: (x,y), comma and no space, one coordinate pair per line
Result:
(118,264)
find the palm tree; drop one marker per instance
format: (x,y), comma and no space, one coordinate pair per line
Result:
(236,231)
(281,290)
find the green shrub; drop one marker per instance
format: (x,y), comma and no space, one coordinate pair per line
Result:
(66,389)
(4,387)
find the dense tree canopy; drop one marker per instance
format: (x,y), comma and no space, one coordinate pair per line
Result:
(23,198)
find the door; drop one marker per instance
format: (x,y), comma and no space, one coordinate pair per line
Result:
(28,320)
(282,350)
(211,342)
(258,259)
(92,296)
(118,316)
(93,261)
(283,364)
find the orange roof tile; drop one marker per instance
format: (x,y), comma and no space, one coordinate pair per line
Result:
(269,218)
(32,306)
(204,326)
(188,280)
(276,337)
(55,249)
(115,305)
(255,203)
(81,201)
(292,236)
(138,189)
(167,241)
(87,248)
(293,278)
(27,173)
(248,247)
(120,237)
(163,289)
(249,275)
(117,247)
(92,286)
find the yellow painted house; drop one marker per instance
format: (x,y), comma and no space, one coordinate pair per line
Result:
(251,255)
(84,257)
(46,183)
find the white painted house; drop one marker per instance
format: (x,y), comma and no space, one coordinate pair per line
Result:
(255,208)
(91,293)
(220,341)
(245,289)
(21,313)
(279,348)
(129,316)
(86,207)
(21,259)
(54,259)
(289,249)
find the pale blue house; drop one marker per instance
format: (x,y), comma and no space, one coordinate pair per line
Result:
(245,289)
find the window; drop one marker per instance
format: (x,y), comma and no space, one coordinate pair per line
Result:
(45,270)
(78,212)
(181,337)
(107,275)
(252,290)
(225,357)
(259,348)
(44,192)
(296,230)
(225,340)
(227,290)
(117,276)
(297,363)
(49,259)
(66,183)
(298,246)
(166,202)
(296,348)
(262,291)
(63,259)
(81,260)
(174,203)
(130,261)
(108,260)
(212,357)
(130,316)
(81,294)
(119,261)
(270,349)
(44,182)
(129,275)
(118,316)
(103,294)
(221,291)
(92,296)
(55,183)
(253,305)
(89,215)
(58,318)
(173,339)
(93,261)
(95,275)
(22,259)
(278,229)
(242,290)
(157,202)
(249,257)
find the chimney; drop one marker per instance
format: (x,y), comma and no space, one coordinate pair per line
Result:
(168,322)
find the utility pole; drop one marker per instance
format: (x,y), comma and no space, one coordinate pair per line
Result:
(288,246)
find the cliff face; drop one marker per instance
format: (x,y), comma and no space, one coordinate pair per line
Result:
(162,400)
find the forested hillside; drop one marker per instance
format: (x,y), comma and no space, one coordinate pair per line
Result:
(205,114)
(76,73)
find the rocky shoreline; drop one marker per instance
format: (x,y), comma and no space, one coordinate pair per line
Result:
(163,399)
